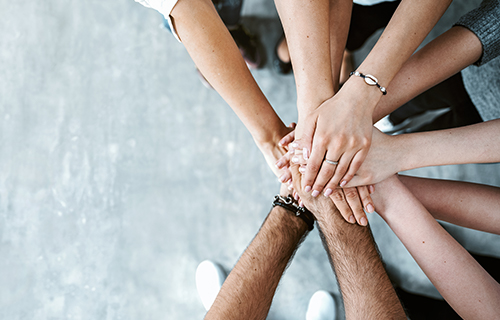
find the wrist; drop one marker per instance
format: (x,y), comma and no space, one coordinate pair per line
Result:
(365,95)
(306,104)
(280,218)
(269,138)
(408,152)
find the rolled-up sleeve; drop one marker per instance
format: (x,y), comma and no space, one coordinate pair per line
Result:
(164,7)
(484,22)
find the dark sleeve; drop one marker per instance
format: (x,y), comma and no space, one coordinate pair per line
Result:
(484,22)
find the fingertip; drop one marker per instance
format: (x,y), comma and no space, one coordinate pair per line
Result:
(370,208)
(371,188)
(363,221)
(328,192)
(305,154)
(352,219)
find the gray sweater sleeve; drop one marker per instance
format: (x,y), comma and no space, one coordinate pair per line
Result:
(484,22)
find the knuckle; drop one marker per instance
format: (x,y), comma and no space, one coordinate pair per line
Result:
(365,142)
(337,195)
(351,193)
(367,199)
(313,167)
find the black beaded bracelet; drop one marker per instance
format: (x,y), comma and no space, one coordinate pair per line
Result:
(289,204)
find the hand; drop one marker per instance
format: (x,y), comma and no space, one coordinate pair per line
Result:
(338,130)
(318,206)
(273,151)
(351,202)
(383,160)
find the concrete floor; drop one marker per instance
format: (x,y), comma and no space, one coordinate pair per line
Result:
(120,172)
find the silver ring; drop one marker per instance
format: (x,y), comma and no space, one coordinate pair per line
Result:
(332,162)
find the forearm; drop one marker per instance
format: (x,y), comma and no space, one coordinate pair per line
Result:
(441,58)
(406,30)
(470,144)
(465,204)
(467,287)
(215,53)
(248,291)
(307,30)
(366,289)
(340,17)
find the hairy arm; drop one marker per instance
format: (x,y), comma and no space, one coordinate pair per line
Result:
(248,291)
(215,53)
(366,288)
(462,282)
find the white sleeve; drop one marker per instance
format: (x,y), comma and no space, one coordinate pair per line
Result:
(164,7)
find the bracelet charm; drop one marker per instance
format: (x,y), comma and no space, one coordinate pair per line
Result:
(369,80)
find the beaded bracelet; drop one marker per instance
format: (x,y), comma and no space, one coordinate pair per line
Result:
(289,204)
(370,80)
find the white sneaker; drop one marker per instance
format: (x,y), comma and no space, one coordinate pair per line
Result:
(209,279)
(321,307)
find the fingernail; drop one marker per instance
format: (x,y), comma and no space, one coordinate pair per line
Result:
(343,183)
(363,221)
(295,159)
(279,164)
(302,170)
(296,196)
(282,178)
(295,144)
(305,153)
(307,189)
(290,188)
(352,219)
(289,181)
(315,193)
(371,189)
(328,192)
(370,208)
(280,144)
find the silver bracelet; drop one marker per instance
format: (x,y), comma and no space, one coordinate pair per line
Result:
(369,80)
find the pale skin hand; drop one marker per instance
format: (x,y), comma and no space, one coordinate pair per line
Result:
(438,60)
(462,282)
(215,53)
(391,154)
(351,202)
(346,137)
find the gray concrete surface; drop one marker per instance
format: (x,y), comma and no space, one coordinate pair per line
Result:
(120,172)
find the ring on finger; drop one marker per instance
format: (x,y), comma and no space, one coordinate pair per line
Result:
(331,162)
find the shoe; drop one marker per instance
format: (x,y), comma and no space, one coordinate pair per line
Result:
(209,279)
(321,307)
(279,65)
(248,44)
